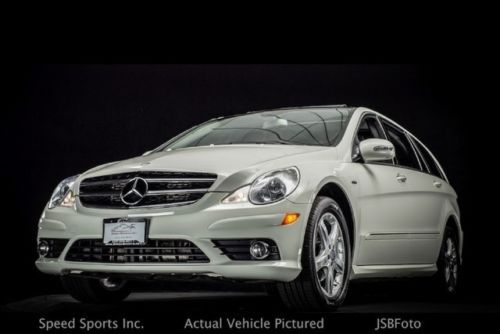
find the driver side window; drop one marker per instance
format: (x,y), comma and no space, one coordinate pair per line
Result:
(368,128)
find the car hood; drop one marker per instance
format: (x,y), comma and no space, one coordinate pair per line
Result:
(223,160)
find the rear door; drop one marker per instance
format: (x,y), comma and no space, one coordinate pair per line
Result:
(432,191)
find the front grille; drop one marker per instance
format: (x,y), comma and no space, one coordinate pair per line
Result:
(163,189)
(56,247)
(161,250)
(239,249)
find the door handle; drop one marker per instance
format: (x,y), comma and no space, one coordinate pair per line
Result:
(401,178)
(437,184)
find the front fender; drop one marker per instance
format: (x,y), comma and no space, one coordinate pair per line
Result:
(338,178)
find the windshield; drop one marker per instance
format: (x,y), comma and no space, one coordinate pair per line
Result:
(321,127)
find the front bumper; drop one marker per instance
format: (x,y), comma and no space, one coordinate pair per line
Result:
(199,223)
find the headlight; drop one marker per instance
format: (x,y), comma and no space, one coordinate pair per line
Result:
(63,195)
(238,196)
(274,186)
(268,188)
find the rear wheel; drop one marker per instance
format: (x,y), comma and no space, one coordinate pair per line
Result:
(326,261)
(93,290)
(447,276)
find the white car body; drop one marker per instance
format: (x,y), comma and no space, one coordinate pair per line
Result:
(396,226)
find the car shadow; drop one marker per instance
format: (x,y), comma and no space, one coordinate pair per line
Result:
(410,296)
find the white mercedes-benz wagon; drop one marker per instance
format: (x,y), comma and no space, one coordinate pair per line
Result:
(308,198)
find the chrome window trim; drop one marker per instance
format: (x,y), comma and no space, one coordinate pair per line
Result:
(420,155)
(442,174)
(414,149)
(441,171)
(405,133)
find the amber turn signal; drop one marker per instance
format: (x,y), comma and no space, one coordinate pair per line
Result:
(290,218)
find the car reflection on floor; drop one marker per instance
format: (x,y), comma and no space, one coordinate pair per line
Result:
(377,298)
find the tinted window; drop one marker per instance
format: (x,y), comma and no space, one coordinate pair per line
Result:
(429,160)
(322,126)
(405,156)
(369,128)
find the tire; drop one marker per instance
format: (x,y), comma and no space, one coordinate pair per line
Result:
(310,290)
(447,277)
(92,290)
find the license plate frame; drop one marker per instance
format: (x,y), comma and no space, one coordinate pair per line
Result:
(125,231)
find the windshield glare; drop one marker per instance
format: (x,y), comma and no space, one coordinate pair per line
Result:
(321,127)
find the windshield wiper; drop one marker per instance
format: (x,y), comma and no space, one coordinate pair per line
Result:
(282,142)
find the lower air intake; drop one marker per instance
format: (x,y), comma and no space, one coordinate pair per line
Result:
(161,250)
(56,247)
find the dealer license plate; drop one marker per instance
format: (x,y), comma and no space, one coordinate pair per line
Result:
(119,232)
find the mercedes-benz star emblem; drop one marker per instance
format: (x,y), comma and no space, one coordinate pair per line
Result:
(134,191)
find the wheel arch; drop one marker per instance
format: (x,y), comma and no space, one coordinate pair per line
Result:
(454,222)
(336,192)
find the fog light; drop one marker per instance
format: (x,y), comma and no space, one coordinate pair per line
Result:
(43,248)
(259,249)
(112,283)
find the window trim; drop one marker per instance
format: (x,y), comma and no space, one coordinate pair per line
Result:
(405,133)
(420,155)
(442,176)
(386,138)
(414,150)
(382,127)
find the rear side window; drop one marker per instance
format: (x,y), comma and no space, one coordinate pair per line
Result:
(405,155)
(429,160)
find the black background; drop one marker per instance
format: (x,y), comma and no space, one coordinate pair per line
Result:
(60,120)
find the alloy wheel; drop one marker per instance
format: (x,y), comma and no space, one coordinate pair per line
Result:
(451,264)
(329,255)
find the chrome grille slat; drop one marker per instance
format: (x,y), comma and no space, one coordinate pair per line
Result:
(161,192)
(165,189)
(180,180)
(100,194)
(97,183)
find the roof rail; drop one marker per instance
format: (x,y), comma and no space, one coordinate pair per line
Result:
(327,106)
(320,106)
(302,107)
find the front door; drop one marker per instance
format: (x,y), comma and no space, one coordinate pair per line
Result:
(391,207)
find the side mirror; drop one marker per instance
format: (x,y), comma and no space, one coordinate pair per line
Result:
(376,149)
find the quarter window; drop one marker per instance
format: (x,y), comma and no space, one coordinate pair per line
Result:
(405,155)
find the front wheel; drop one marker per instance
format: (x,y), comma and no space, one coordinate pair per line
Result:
(93,290)
(326,261)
